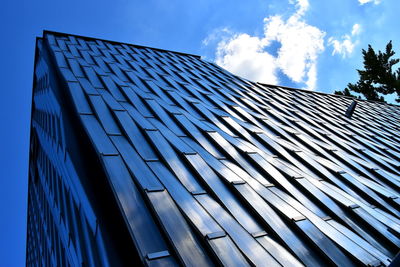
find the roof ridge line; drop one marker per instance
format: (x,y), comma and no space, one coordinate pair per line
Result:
(322,93)
(115,42)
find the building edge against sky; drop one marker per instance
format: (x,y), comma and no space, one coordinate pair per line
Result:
(146,155)
(63,207)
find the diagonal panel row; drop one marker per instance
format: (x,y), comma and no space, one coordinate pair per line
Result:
(247,171)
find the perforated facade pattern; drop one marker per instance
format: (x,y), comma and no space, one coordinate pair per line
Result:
(141,155)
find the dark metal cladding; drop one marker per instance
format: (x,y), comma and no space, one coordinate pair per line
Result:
(350,110)
(142,156)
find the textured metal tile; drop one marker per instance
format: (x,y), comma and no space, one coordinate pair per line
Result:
(253,174)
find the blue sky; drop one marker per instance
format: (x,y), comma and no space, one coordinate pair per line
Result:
(307,44)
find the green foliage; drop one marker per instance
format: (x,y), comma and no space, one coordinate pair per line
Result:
(345,92)
(377,76)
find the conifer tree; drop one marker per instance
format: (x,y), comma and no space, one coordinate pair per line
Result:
(377,76)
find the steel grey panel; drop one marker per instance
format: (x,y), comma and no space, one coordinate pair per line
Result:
(184,241)
(135,136)
(98,135)
(244,241)
(144,230)
(192,209)
(104,115)
(324,244)
(174,162)
(222,193)
(278,226)
(227,253)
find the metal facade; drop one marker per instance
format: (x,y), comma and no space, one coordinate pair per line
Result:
(161,158)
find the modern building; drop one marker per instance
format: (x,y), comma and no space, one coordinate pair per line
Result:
(145,156)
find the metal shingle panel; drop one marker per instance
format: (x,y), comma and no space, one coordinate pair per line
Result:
(268,174)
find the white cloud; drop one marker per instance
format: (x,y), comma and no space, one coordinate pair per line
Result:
(363,2)
(244,55)
(346,45)
(356,29)
(216,35)
(300,45)
(302,6)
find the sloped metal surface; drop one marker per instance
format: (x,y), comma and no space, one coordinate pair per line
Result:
(209,168)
